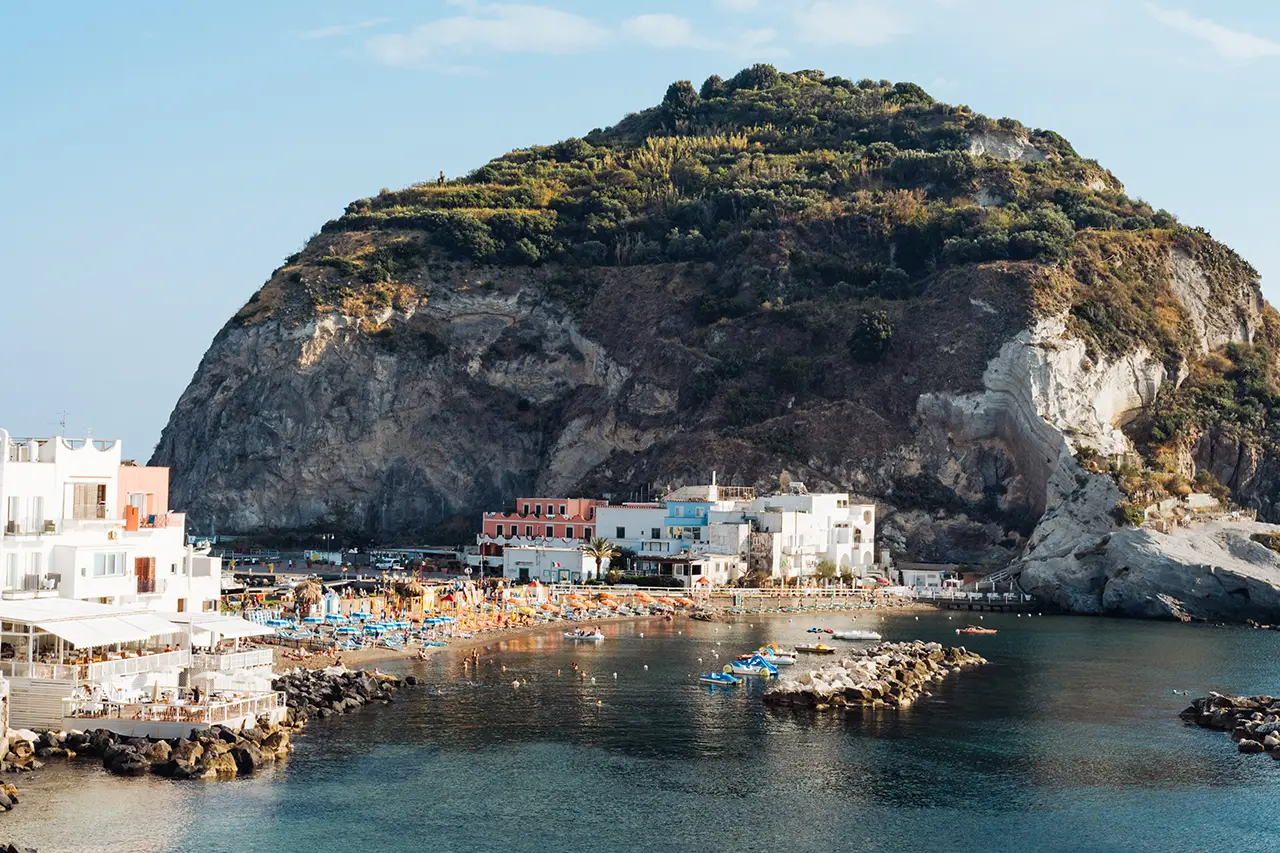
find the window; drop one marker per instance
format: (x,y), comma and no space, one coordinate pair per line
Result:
(622,532)
(526,510)
(655,533)
(182,605)
(528,530)
(173,568)
(37,511)
(700,512)
(108,565)
(696,569)
(568,533)
(551,532)
(537,510)
(586,533)
(564,510)
(499,530)
(697,534)
(12,580)
(89,500)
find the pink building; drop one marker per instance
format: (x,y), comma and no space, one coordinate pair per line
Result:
(146,489)
(556,522)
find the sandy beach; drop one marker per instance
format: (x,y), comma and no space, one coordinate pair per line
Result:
(363,658)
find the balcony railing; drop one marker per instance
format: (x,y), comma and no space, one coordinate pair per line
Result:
(131,666)
(100,671)
(87,512)
(232,661)
(209,713)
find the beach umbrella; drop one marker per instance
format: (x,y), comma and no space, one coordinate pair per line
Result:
(410,589)
(308,594)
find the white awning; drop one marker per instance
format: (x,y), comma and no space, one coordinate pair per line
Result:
(225,627)
(96,631)
(155,626)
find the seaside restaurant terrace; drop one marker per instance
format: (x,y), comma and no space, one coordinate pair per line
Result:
(79,664)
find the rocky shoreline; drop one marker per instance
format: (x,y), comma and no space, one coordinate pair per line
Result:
(888,674)
(1253,721)
(217,752)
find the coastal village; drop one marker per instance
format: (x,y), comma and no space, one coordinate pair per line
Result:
(111,618)
(112,621)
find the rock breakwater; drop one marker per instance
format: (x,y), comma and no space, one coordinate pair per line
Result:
(1253,721)
(321,693)
(217,752)
(888,674)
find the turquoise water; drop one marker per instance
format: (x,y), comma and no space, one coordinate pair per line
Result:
(1069,741)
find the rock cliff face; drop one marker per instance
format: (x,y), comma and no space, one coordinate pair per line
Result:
(969,325)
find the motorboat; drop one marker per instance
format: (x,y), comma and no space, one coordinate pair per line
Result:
(583,634)
(724,679)
(753,665)
(855,634)
(815,649)
(974,629)
(820,631)
(776,658)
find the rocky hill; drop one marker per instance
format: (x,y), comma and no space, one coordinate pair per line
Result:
(959,317)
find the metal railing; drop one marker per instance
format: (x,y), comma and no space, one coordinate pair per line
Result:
(50,671)
(100,671)
(208,713)
(961,595)
(131,666)
(232,661)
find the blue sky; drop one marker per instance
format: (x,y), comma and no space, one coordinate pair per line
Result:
(160,159)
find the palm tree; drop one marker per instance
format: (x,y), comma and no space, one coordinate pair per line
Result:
(308,593)
(600,549)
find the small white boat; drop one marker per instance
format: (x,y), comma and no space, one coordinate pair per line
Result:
(855,634)
(583,635)
(777,658)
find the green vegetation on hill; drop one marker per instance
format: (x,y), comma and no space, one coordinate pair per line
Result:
(796,186)
(873,181)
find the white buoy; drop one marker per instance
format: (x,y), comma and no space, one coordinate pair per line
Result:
(642,635)
(646,667)
(679,632)
(593,679)
(699,660)
(615,675)
(515,684)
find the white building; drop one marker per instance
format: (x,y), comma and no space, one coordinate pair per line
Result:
(806,529)
(80,523)
(548,565)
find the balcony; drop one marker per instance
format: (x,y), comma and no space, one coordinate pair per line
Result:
(232,661)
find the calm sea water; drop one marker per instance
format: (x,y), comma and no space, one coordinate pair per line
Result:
(1069,741)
